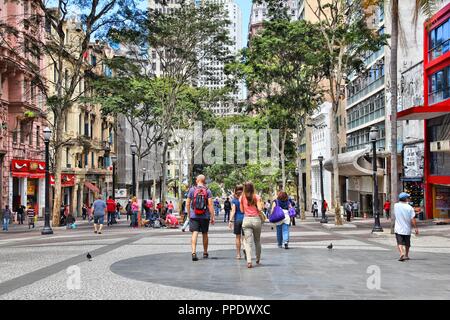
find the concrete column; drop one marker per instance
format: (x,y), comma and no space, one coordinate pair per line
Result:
(10,192)
(74,202)
(23,190)
(41,199)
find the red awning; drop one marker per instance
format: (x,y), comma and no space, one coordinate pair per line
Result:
(91,187)
(422,113)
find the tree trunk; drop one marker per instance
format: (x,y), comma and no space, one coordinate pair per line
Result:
(57,169)
(334,154)
(164,167)
(393,87)
(300,133)
(283,162)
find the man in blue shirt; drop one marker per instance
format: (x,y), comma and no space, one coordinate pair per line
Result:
(201,213)
(99,208)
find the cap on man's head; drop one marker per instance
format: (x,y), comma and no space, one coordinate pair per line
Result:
(403,196)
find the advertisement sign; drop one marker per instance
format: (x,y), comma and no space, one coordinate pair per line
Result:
(121,193)
(413,161)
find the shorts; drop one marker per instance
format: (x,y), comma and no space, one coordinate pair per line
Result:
(403,240)
(238,228)
(99,219)
(199,225)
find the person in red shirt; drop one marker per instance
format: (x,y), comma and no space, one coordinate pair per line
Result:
(387,208)
(111,208)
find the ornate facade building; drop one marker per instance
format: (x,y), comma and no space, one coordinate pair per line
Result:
(21,111)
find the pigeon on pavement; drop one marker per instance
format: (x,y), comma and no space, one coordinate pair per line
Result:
(330,246)
(89,257)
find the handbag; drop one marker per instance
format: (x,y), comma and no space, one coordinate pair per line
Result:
(277,214)
(292,212)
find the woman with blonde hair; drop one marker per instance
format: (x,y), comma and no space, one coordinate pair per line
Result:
(135,212)
(236,218)
(250,205)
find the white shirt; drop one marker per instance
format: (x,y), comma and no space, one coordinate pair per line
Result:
(404,213)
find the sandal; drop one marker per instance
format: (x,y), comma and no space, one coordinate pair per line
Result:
(249,265)
(258,261)
(205,256)
(194,257)
(238,257)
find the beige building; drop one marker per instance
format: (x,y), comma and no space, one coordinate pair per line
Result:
(89,136)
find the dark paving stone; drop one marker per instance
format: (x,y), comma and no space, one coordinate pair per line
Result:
(298,274)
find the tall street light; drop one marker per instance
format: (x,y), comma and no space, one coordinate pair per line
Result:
(324,217)
(373,135)
(114,161)
(47,136)
(143,189)
(133,178)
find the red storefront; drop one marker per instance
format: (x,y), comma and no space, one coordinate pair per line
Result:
(28,183)
(436,114)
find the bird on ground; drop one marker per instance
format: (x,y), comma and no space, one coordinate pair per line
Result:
(330,246)
(89,257)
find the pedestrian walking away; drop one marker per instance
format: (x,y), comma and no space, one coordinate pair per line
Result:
(100,211)
(201,214)
(251,206)
(315,209)
(227,210)
(217,207)
(6,218)
(405,219)
(236,218)
(128,210)
(84,212)
(282,201)
(20,214)
(387,208)
(111,208)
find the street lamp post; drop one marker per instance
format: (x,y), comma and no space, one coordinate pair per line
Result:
(47,136)
(373,135)
(143,189)
(133,178)
(324,216)
(114,160)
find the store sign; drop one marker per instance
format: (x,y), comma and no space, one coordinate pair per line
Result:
(413,161)
(67,180)
(28,169)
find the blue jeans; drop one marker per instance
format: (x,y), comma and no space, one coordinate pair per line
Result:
(134,219)
(5,224)
(282,234)
(217,210)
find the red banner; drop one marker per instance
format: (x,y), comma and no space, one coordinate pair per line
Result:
(33,169)
(67,180)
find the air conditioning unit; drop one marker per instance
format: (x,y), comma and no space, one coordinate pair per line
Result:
(440,146)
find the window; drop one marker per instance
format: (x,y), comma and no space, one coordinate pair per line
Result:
(38,136)
(439,86)
(439,40)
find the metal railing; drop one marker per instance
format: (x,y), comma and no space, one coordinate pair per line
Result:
(371,87)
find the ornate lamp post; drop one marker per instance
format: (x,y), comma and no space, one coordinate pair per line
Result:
(324,216)
(373,135)
(47,136)
(143,189)
(133,178)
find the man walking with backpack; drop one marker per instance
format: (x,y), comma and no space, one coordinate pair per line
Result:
(227,209)
(201,213)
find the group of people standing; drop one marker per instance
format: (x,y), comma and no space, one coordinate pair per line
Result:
(22,211)
(247,215)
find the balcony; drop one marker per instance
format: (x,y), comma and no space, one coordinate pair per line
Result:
(362,93)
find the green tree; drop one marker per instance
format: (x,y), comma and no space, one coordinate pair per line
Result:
(343,28)
(181,40)
(283,67)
